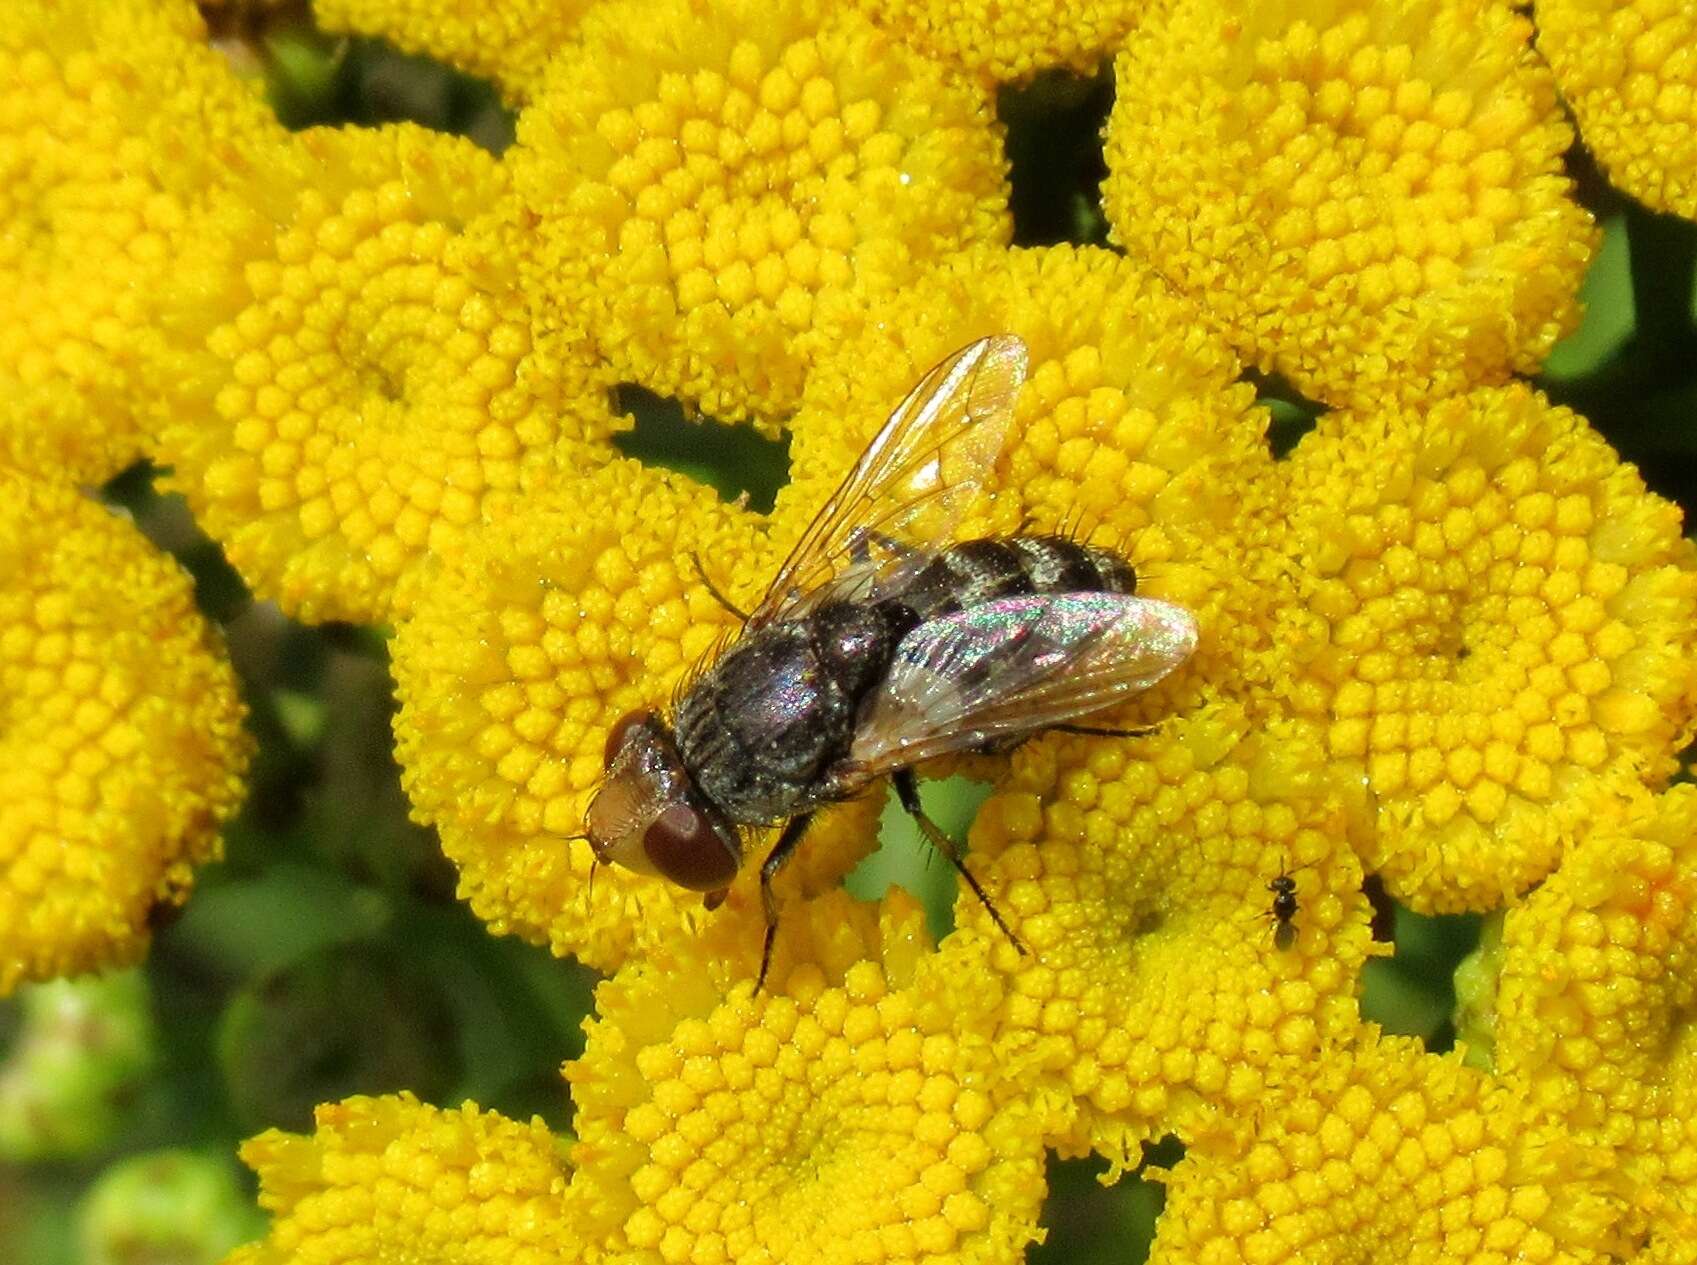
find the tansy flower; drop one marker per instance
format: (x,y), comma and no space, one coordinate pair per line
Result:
(853,1110)
(394,1179)
(509,42)
(361,386)
(1494,628)
(1628,71)
(122,733)
(116,123)
(1597,968)
(1367,198)
(1010,41)
(716,178)
(526,648)
(1386,1152)
(1136,874)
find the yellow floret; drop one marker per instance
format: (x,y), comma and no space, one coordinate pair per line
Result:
(390,1180)
(1135,872)
(1387,1153)
(508,42)
(361,388)
(122,731)
(525,649)
(853,1110)
(716,178)
(1368,197)
(1010,41)
(1494,627)
(1596,970)
(1628,71)
(116,124)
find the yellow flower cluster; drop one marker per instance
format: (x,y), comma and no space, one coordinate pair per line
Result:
(1383,1153)
(1137,873)
(117,123)
(1597,969)
(121,729)
(358,384)
(714,179)
(1628,71)
(509,42)
(393,1179)
(1370,202)
(1495,632)
(1010,41)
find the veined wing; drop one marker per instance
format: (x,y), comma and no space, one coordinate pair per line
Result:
(1013,666)
(909,488)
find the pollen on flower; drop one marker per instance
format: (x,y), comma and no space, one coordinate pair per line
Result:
(1628,71)
(394,1179)
(1136,874)
(362,385)
(1386,1151)
(1597,969)
(526,647)
(1010,41)
(122,734)
(850,1111)
(116,124)
(728,173)
(1371,203)
(507,42)
(1495,632)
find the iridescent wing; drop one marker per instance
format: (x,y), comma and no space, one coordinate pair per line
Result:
(911,485)
(1014,666)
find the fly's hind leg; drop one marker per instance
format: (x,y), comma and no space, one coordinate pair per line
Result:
(1103,731)
(907,791)
(780,853)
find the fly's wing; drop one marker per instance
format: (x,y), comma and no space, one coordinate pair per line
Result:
(1013,666)
(910,486)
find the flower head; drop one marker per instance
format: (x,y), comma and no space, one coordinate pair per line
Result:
(852,1110)
(1010,41)
(1370,202)
(509,42)
(715,178)
(1628,71)
(122,734)
(1495,632)
(116,124)
(1384,1152)
(394,1179)
(1137,874)
(1596,968)
(360,385)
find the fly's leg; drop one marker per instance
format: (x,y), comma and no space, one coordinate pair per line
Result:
(780,853)
(907,791)
(1104,732)
(713,588)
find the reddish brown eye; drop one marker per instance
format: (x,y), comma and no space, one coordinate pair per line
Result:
(616,735)
(686,849)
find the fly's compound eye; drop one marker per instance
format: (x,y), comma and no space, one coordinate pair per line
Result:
(617,734)
(684,847)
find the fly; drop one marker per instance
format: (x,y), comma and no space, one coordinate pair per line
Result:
(879,645)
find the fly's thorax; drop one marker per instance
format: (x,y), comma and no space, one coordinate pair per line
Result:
(650,817)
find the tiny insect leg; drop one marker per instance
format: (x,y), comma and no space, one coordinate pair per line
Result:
(907,791)
(1102,731)
(713,588)
(774,862)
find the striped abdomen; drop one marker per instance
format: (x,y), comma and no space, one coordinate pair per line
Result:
(978,571)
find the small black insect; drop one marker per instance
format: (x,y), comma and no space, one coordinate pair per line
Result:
(880,645)
(1283,912)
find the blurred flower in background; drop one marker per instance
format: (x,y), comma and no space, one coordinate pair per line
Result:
(373,436)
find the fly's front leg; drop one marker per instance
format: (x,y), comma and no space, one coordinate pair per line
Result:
(768,871)
(907,791)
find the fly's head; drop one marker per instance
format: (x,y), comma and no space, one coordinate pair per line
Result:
(649,817)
